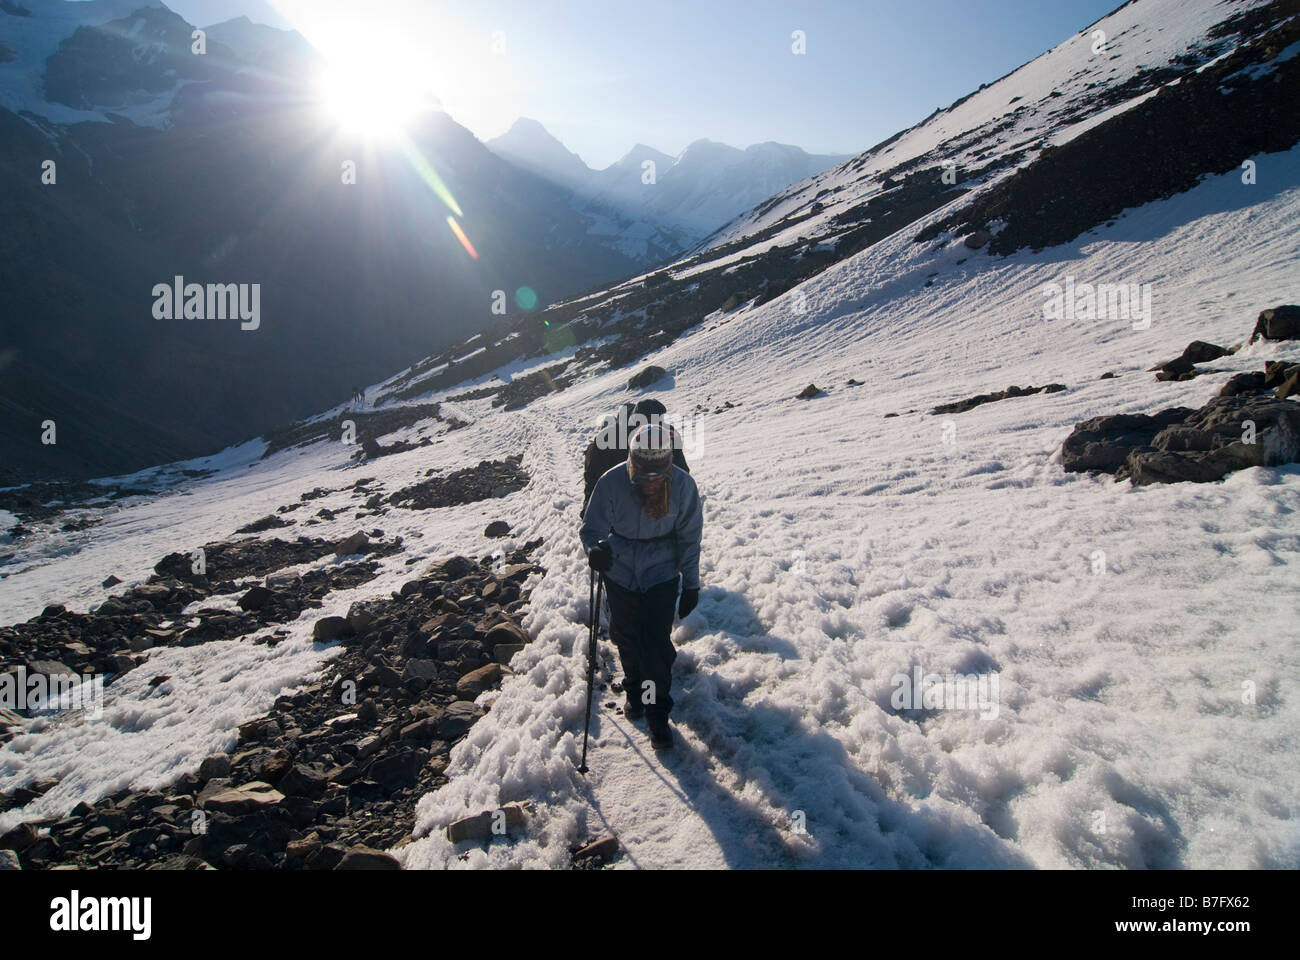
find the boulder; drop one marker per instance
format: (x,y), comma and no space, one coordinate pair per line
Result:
(476,681)
(302,781)
(483,826)
(9,860)
(505,652)
(457,719)
(1174,368)
(424,669)
(1199,351)
(424,730)
(978,239)
(213,766)
(1275,371)
(50,668)
(357,543)
(396,768)
(255,599)
(1243,383)
(646,376)
(366,858)
(19,838)
(497,528)
(808,392)
(247,798)
(359,618)
(600,850)
(331,628)
(1104,443)
(1279,323)
(507,631)
(1224,443)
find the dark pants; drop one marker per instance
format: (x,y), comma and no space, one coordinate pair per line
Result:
(641,626)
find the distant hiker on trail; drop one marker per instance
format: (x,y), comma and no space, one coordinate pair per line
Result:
(641,533)
(609,447)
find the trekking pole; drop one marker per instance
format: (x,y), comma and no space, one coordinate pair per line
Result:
(595,590)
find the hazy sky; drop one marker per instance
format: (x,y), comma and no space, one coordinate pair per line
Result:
(604,74)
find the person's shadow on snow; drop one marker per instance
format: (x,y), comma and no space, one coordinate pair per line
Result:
(817,808)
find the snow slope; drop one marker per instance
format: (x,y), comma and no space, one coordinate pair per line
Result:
(33,38)
(1146,711)
(1052,98)
(841,548)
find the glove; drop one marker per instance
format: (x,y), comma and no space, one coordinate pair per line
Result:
(688,602)
(601,557)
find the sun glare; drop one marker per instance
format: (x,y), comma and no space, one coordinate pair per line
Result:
(375,85)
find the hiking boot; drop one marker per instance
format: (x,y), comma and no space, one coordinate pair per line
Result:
(661,735)
(633,709)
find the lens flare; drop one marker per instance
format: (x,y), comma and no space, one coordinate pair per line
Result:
(430,177)
(460,235)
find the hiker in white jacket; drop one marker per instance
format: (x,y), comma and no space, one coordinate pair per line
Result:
(642,532)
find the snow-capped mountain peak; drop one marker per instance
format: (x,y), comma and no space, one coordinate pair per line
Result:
(530,146)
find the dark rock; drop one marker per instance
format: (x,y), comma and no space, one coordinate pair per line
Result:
(602,850)
(180,861)
(978,239)
(497,528)
(110,581)
(460,716)
(1243,383)
(1279,323)
(359,618)
(302,781)
(476,681)
(961,406)
(364,858)
(255,599)
(357,543)
(1104,443)
(1275,372)
(326,858)
(396,768)
(1198,351)
(487,480)
(270,522)
(808,392)
(646,376)
(379,675)
(215,765)
(331,628)
(19,838)
(424,669)
(1184,445)
(424,730)
(1221,448)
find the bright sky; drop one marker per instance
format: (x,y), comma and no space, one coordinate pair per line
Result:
(602,75)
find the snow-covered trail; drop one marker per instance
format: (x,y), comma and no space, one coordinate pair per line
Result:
(842,548)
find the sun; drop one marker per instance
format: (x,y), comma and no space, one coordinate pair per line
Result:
(375,85)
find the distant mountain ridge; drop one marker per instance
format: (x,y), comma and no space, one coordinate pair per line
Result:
(223,169)
(649,200)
